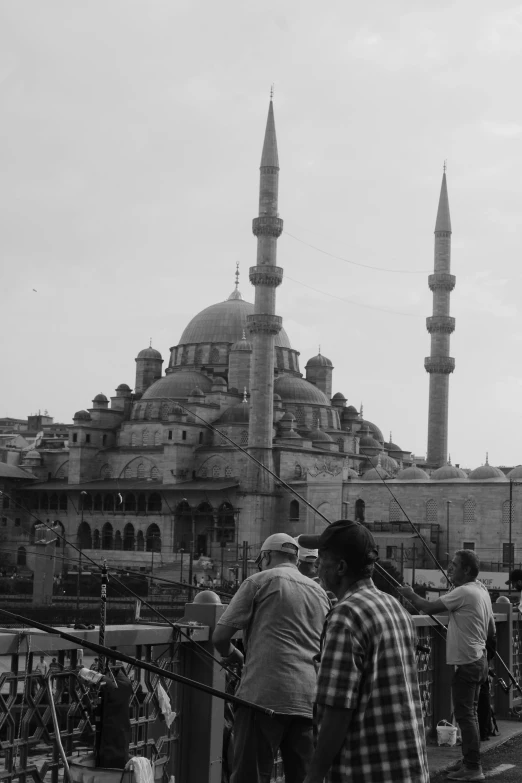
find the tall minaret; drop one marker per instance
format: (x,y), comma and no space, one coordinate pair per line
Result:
(264,324)
(440,325)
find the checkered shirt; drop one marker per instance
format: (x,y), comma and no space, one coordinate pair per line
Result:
(368,666)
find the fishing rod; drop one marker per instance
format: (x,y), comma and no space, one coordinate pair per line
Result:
(118,655)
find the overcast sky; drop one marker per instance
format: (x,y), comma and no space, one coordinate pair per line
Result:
(130,141)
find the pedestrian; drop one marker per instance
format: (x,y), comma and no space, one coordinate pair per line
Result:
(470,627)
(42,666)
(281,613)
(306,560)
(369,712)
(515,580)
(95,665)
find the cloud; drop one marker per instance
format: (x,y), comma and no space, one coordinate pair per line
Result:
(505,130)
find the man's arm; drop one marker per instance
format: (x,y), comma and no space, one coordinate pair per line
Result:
(334,728)
(428,607)
(222,641)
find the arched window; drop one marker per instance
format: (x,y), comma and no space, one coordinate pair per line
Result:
(183,526)
(395,511)
(128,537)
(294,511)
(280,360)
(106,472)
(299,415)
(243,438)
(44,501)
(184,356)
(153,539)
(340,443)
(360,510)
(203,472)
(145,438)
(157,438)
(63,501)
(316,418)
(226,525)
(62,471)
(84,536)
(469,511)
(108,503)
(165,408)
(96,539)
(140,543)
(142,503)
(134,439)
(198,356)
(155,474)
(107,538)
(127,473)
(118,543)
(130,502)
(21,556)
(228,471)
(214,356)
(154,503)
(141,471)
(216,472)
(148,411)
(298,471)
(329,416)
(505,512)
(97,502)
(431,510)
(86,501)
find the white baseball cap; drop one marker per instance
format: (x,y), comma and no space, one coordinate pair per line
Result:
(305,554)
(279,542)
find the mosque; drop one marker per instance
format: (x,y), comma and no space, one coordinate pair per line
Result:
(191,460)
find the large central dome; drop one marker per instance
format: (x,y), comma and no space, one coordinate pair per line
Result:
(224,323)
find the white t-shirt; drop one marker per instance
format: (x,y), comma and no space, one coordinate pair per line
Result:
(470,610)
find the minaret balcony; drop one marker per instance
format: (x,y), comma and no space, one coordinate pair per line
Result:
(443,365)
(266,275)
(263,323)
(441,281)
(268,226)
(440,323)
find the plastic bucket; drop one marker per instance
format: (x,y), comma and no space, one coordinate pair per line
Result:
(446,733)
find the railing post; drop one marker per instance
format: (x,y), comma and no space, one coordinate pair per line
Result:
(202,719)
(442,676)
(504,701)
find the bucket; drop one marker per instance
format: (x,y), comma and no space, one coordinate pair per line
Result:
(446,733)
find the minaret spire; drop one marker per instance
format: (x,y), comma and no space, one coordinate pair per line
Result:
(440,326)
(264,324)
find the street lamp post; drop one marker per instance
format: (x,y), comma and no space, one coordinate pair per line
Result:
(448,504)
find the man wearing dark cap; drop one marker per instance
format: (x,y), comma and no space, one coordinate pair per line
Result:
(369,714)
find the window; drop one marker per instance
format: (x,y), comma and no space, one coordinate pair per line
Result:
(4,521)
(63,501)
(142,503)
(134,439)
(201,437)
(130,502)
(508,555)
(53,502)
(157,438)
(198,356)
(203,472)
(107,536)
(184,435)
(391,552)
(108,503)
(243,438)
(145,438)
(469,545)
(395,511)
(118,543)
(316,418)
(216,471)
(96,539)
(329,416)
(165,411)
(155,474)
(153,539)
(148,410)
(44,502)
(170,435)
(469,511)
(127,473)
(97,503)
(21,558)
(360,510)
(214,356)
(340,443)
(140,542)
(345,510)
(106,472)
(104,440)
(431,510)
(300,415)
(141,471)
(154,503)
(298,471)
(228,471)
(75,437)
(294,511)
(506,512)
(84,536)
(87,438)
(128,538)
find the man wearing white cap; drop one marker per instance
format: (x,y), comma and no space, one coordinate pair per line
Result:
(307,560)
(281,613)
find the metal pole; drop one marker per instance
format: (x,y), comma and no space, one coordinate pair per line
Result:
(510,555)
(448,503)
(103,611)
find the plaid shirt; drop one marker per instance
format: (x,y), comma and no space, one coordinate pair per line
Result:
(368,666)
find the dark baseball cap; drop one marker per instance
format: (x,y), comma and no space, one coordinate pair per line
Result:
(515,576)
(351,540)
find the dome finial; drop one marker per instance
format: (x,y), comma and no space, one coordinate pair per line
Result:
(319,350)
(449,459)
(245,394)
(236,294)
(487,457)
(361,411)
(391,439)
(237,275)
(150,342)
(272,91)
(445,166)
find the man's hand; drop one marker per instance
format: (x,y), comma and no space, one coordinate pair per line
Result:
(236,658)
(406,591)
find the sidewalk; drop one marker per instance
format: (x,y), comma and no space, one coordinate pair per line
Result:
(440,758)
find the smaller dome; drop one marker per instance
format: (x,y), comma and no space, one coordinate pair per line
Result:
(448,473)
(218,381)
(487,473)
(320,435)
(123,387)
(339,397)
(178,411)
(516,473)
(412,474)
(318,361)
(207,596)
(277,397)
(149,353)
(351,412)
(288,416)
(32,454)
(196,392)
(237,414)
(376,474)
(100,398)
(82,415)
(392,446)
(367,442)
(386,462)
(374,430)
(242,345)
